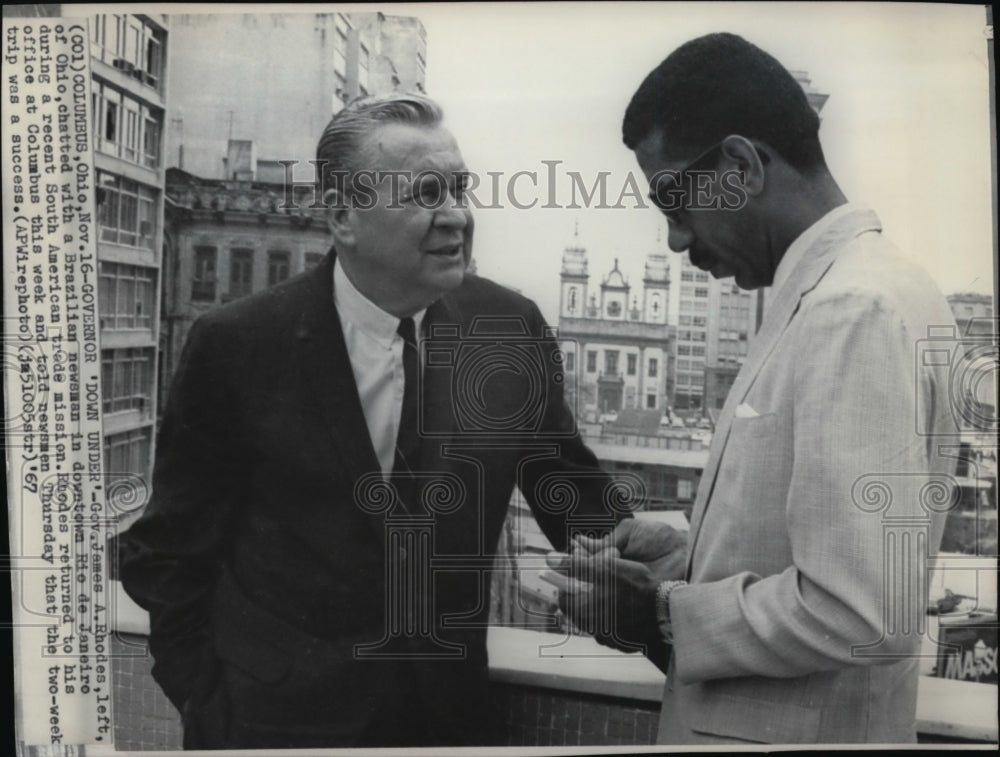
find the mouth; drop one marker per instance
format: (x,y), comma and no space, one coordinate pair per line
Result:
(447,251)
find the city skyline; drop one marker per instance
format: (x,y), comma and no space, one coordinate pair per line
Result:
(531,88)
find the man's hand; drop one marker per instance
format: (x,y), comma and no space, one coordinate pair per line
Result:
(661,548)
(615,599)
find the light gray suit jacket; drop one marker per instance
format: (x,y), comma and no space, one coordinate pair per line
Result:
(824,495)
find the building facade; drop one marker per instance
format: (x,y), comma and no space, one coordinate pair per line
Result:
(230,231)
(225,240)
(279,111)
(616,341)
(129,98)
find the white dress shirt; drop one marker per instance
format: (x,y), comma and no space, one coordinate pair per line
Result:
(376,353)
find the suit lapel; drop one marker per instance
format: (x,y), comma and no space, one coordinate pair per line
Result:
(329,384)
(815,262)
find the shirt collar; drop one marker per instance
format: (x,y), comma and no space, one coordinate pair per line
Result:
(355,308)
(797,250)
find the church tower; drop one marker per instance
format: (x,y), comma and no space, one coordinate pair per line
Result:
(574,277)
(656,288)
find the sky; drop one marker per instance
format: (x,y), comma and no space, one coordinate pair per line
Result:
(906,128)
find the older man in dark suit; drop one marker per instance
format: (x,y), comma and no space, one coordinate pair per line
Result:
(335,464)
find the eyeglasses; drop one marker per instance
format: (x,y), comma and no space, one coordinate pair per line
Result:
(669,189)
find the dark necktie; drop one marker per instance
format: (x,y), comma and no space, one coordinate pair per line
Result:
(407,458)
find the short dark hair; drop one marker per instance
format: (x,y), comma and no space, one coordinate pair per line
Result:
(718,85)
(342,142)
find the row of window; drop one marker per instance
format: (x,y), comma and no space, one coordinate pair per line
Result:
(691,336)
(697,320)
(205,281)
(733,335)
(127,379)
(696,350)
(687,290)
(129,44)
(690,379)
(660,486)
(127,296)
(126,211)
(698,306)
(611,363)
(125,127)
(690,275)
(691,365)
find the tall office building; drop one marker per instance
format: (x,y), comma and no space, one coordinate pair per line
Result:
(229,233)
(316,63)
(129,96)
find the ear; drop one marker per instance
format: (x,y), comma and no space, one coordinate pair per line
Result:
(339,218)
(742,152)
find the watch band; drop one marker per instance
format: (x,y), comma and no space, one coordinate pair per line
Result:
(663,607)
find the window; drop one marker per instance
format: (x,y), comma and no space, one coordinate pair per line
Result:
(570,361)
(112,102)
(611,362)
(683,349)
(125,127)
(127,379)
(130,129)
(701,292)
(685,320)
(686,290)
(701,276)
(278,266)
(631,365)
(240,272)
(650,401)
(683,365)
(150,139)
(698,351)
(204,278)
(653,367)
(591,361)
(128,453)
(687,275)
(127,296)
(685,490)
(614,309)
(313,259)
(126,211)
(699,320)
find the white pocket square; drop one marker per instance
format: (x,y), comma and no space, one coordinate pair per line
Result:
(743,410)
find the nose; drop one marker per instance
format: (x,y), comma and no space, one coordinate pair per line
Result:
(453,214)
(679,236)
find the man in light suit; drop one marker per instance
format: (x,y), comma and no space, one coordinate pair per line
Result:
(328,494)
(795,607)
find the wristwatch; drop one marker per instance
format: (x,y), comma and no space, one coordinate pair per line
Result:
(663,608)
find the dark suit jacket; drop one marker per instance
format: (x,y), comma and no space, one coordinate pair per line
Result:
(271,563)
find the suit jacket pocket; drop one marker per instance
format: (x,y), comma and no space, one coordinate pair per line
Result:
(757,427)
(755,720)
